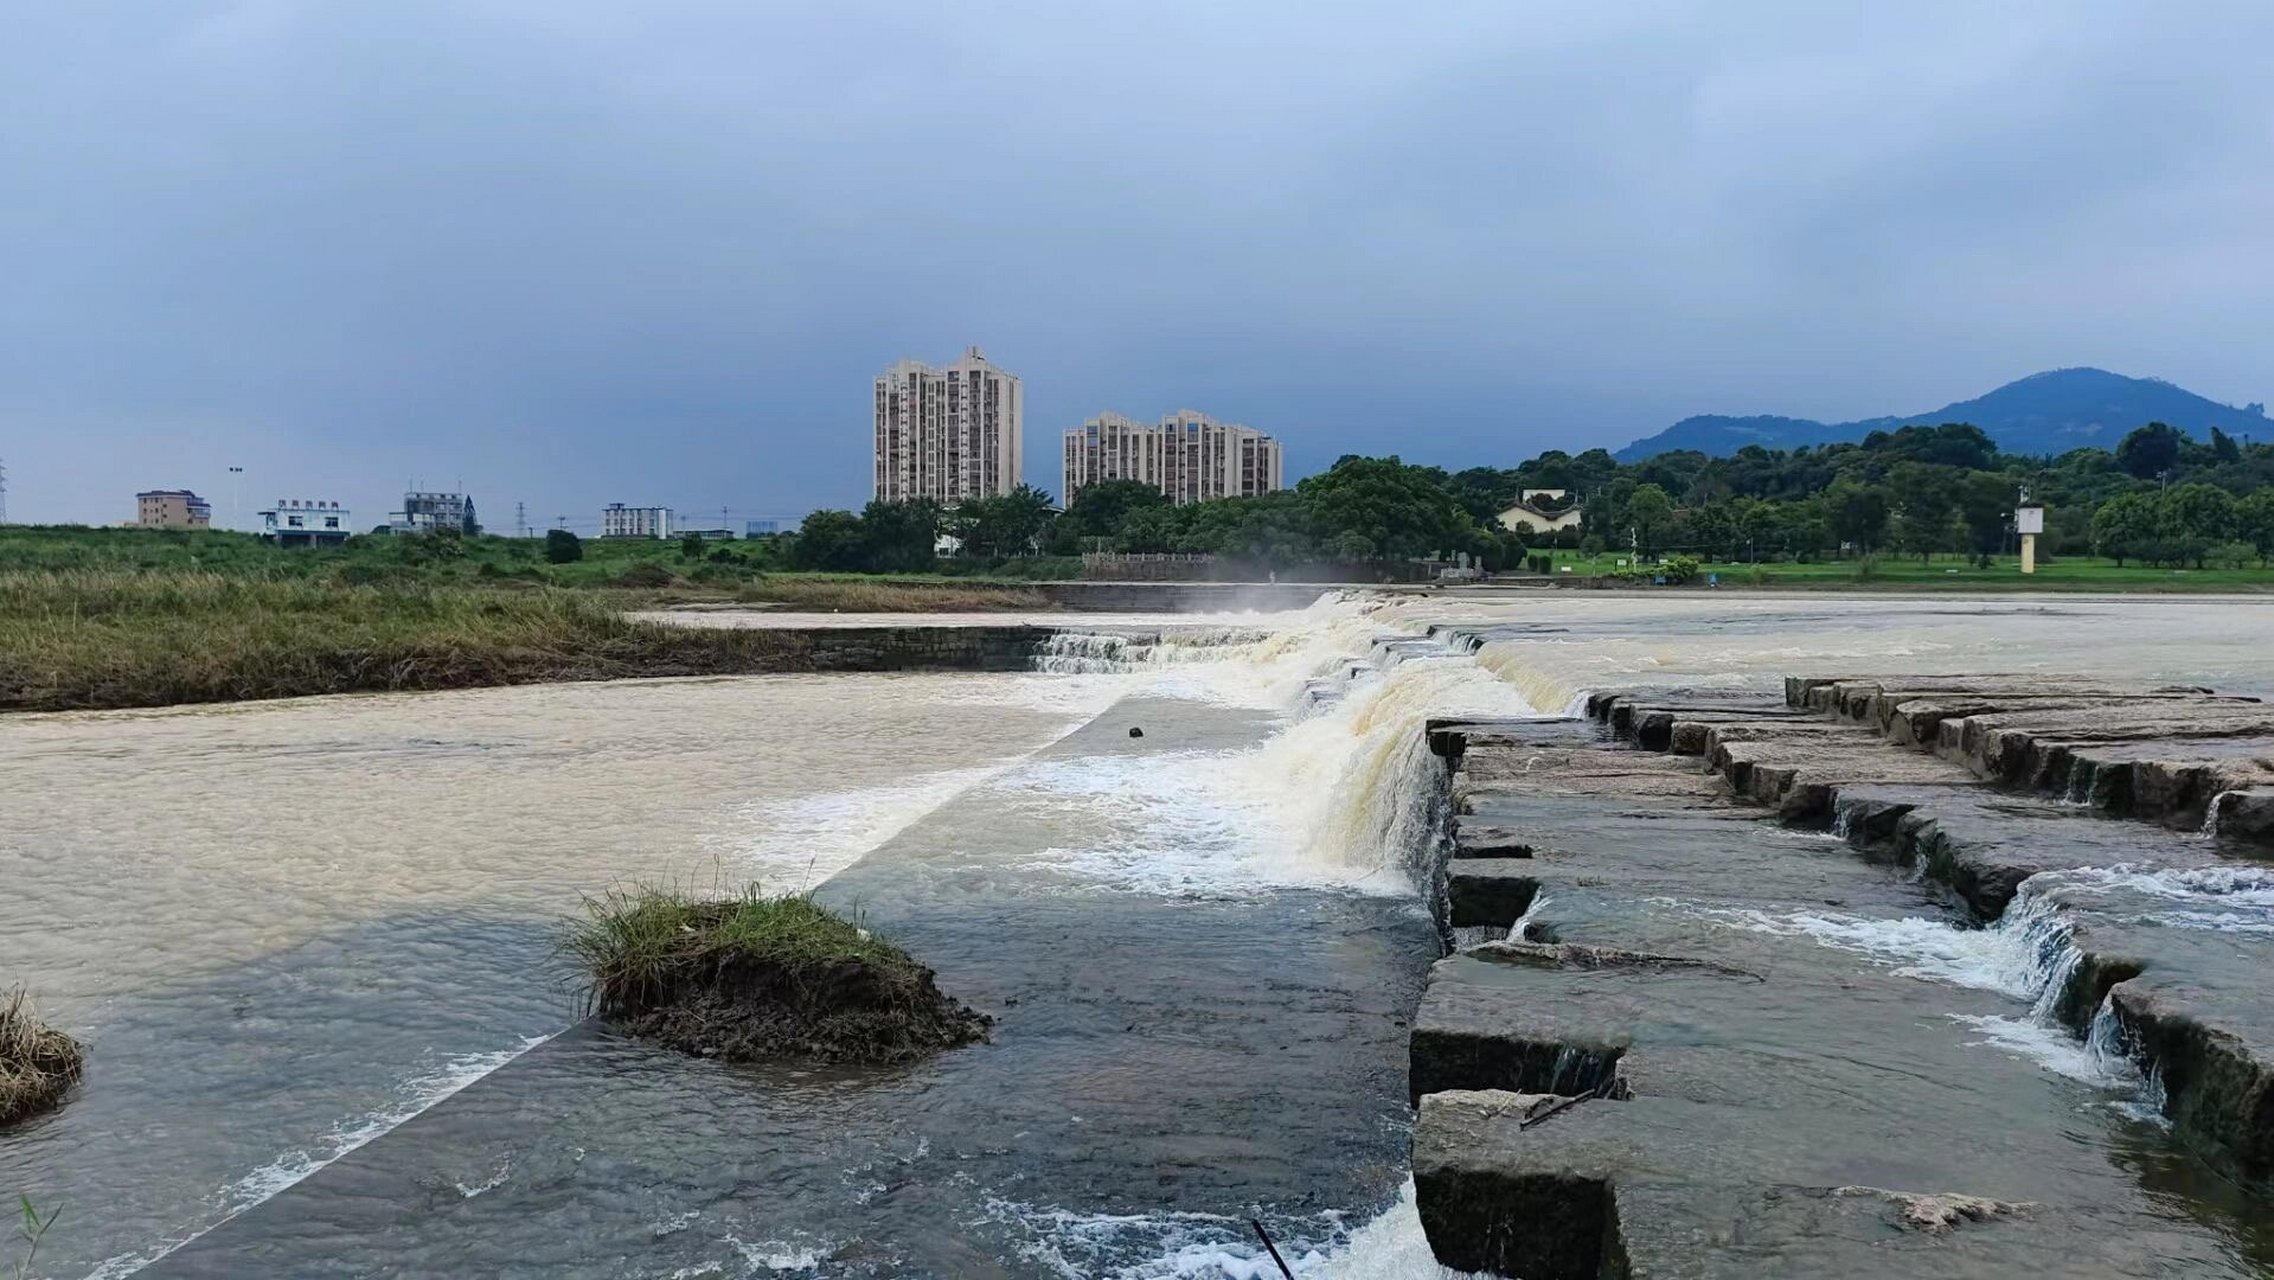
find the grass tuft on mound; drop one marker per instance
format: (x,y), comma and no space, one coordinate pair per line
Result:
(755,977)
(37,1062)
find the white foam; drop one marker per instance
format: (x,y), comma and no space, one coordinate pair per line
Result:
(799,843)
(1207,1246)
(776,1257)
(1984,959)
(2051,1048)
(2229,886)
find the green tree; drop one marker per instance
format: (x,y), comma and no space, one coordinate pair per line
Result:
(2224,450)
(691,547)
(2150,451)
(1856,514)
(2254,523)
(2124,526)
(1762,524)
(1010,524)
(1714,531)
(563,547)
(1152,530)
(1099,510)
(2193,518)
(900,537)
(830,541)
(1405,511)
(1925,497)
(1648,512)
(1985,503)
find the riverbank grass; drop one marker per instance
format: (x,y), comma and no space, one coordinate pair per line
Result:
(98,639)
(755,978)
(37,1062)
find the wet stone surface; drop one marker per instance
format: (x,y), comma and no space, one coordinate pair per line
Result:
(1862,1048)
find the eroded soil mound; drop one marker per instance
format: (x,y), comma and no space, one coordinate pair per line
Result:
(761,979)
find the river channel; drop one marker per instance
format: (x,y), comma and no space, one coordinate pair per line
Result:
(310,944)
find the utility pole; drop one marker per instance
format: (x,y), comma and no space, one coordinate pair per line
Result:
(3,493)
(236,505)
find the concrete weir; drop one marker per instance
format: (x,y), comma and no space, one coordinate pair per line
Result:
(1860,981)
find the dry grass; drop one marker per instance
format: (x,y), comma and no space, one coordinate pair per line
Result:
(99,639)
(37,1062)
(855,595)
(641,944)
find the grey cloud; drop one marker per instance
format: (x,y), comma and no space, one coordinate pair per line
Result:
(574,253)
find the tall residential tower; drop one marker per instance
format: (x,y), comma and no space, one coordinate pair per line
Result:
(948,433)
(1188,456)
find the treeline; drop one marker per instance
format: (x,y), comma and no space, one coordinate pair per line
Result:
(2160,495)
(1377,513)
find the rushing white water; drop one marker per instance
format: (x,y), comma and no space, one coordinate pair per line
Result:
(1206,1246)
(2020,960)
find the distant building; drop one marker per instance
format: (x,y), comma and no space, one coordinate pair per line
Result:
(172,509)
(427,512)
(709,535)
(761,528)
(300,522)
(1541,511)
(949,433)
(620,521)
(1188,456)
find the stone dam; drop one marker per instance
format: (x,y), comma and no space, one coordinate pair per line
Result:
(1651,1050)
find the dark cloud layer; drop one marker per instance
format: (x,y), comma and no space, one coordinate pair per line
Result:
(573,253)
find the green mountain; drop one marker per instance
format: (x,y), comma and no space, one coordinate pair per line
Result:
(2044,413)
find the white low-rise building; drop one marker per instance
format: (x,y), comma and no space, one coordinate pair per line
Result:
(306,522)
(620,521)
(1541,511)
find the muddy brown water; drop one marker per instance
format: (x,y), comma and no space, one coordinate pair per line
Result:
(310,944)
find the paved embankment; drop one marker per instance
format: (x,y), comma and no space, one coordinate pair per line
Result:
(1788,1056)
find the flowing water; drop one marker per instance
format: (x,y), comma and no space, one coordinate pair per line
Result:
(310,943)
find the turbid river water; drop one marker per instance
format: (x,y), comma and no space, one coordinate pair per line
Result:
(309,943)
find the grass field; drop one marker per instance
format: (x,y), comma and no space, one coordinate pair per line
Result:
(647,570)
(98,639)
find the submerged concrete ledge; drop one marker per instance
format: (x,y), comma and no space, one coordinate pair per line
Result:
(1894,775)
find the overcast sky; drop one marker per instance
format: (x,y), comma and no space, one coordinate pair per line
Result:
(570,253)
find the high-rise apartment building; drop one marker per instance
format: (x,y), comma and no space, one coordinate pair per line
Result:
(948,433)
(1187,455)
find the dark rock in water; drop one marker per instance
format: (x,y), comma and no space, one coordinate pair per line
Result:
(1489,891)
(1136,732)
(848,1010)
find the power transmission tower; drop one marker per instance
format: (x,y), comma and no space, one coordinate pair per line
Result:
(3,493)
(520,519)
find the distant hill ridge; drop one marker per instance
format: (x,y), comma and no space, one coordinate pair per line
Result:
(2044,413)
